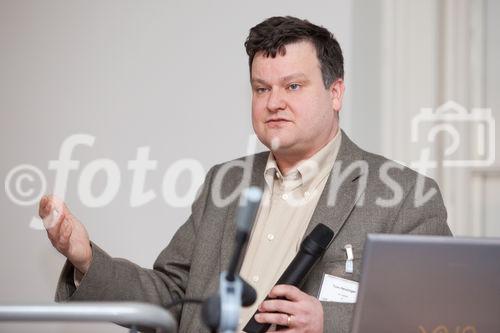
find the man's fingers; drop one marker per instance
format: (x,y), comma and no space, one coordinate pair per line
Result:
(53,224)
(41,207)
(44,208)
(60,235)
(272,318)
(278,305)
(51,211)
(289,292)
(65,234)
(47,203)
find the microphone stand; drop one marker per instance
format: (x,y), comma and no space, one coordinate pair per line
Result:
(221,312)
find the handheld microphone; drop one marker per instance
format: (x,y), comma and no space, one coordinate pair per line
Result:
(311,250)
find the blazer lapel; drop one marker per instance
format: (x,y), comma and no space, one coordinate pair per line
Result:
(334,214)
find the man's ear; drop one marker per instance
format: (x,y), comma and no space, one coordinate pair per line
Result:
(337,91)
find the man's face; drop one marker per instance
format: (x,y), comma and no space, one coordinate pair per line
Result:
(292,112)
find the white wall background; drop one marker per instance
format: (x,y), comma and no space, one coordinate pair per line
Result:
(170,75)
(173,76)
(409,55)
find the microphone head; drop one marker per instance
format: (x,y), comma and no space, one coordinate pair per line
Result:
(249,204)
(319,239)
(322,235)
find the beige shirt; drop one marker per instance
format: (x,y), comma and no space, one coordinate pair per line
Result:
(286,208)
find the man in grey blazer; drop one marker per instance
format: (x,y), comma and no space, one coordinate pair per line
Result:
(296,71)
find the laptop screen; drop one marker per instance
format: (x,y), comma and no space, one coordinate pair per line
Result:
(429,284)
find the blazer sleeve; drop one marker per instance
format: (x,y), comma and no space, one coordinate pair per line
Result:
(115,279)
(422,211)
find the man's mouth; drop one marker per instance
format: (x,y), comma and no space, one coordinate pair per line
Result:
(277,120)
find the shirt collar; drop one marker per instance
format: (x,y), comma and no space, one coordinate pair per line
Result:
(308,173)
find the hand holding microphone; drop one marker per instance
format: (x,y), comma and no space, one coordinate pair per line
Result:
(298,310)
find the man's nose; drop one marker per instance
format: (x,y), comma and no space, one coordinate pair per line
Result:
(276,100)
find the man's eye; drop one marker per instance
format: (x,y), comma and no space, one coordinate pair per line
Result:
(294,86)
(260,90)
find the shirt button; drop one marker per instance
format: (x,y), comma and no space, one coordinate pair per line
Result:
(306,194)
(255,278)
(270,237)
(284,196)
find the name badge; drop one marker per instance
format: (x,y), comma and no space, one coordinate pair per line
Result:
(336,289)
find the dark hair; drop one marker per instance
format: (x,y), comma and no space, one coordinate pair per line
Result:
(273,34)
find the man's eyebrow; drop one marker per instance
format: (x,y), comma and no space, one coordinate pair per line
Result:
(294,76)
(287,78)
(257,80)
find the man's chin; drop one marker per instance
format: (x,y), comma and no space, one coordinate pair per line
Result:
(282,149)
(278,144)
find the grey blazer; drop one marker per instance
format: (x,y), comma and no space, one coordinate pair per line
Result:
(190,265)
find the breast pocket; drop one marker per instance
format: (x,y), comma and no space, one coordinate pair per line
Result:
(335,261)
(340,268)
